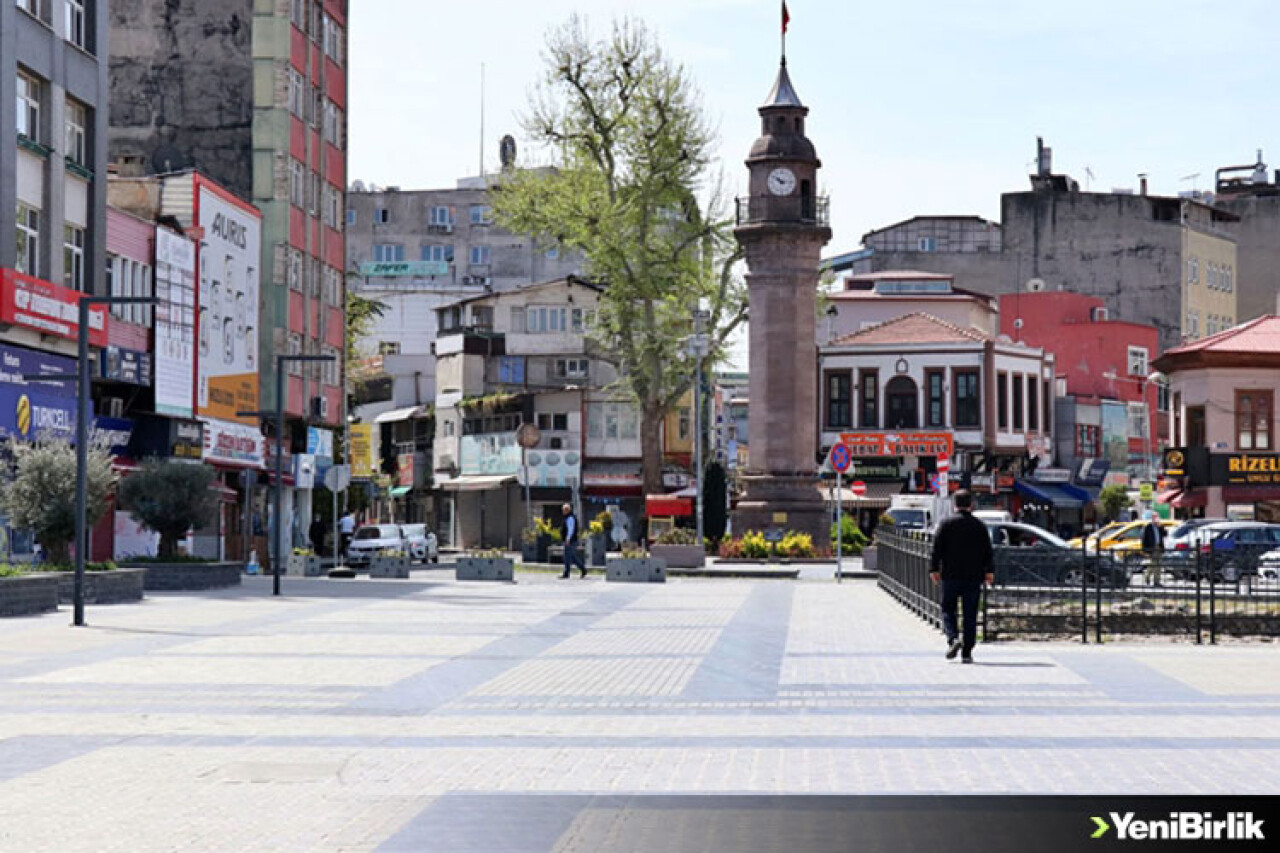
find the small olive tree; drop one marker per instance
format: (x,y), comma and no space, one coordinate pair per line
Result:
(41,497)
(1114,499)
(170,498)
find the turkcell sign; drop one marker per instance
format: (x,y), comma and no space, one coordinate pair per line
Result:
(32,408)
(402,269)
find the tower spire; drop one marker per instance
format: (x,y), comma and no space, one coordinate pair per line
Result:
(786,19)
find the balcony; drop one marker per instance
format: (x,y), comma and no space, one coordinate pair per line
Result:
(805,210)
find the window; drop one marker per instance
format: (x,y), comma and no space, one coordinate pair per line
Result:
(1138,420)
(331,206)
(869,411)
(34,8)
(332,37)
(295,348)
(438,253)
(1193,324)
(1253,420)
(553,253)
(480,255)
(388,253)
(441,217)
(1017,404)
(1088,440)
(1002,401)
(297,93)
(571,368)
(76,31)
(936,413)
(332,124)
(612,421)
(1226,279)
(968,399)
(1033,403)
(298,14)
(74,136)
(927,244)
(313,193)
(1193,270)
(518,321)
(684,429)
(388,347)
(481,214)
(28,259)
(29,106)
(73,257)
(332,287)
(1162,397)
(901,404)
(295,269)
(1138,361)
(482,316)
(575,320)
(351,217)
(297,183)
(380,216)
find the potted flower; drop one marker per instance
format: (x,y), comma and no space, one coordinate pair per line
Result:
(598,530)
(636,566)
(303,562)
(485,565)
(389,563)
(680,548)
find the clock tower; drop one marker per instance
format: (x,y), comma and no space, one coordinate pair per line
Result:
(782,227)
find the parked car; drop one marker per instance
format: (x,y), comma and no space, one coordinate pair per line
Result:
(422,543)
(1030,555)
(1123,538)
(1269,565)
(1228,550)
(374,538)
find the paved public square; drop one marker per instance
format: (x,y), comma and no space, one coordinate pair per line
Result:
(431,715)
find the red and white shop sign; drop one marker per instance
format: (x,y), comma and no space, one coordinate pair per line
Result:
(48,308)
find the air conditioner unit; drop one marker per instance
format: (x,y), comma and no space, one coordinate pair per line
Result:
(320,407)
(557,443)
(114,407)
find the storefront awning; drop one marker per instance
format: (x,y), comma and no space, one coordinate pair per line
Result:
(476,482)
(1051,493)
(401,491)
(1184,498)
(878,495)
(662,506)
(396,415)
(225,493)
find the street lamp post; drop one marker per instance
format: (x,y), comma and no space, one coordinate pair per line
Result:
(698,347)
(81,378)
(278,414)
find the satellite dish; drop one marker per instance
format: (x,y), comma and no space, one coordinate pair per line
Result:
(169,158)
(1035,285)
(1017,324)
(507,151)
(357,186)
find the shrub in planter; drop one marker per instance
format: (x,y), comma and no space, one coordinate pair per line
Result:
(484,565)
(170,498)
(851,537)
(41,494)
(304,563)
(636,566)
(754,545)
(730,549)
(795,544)
(679,547)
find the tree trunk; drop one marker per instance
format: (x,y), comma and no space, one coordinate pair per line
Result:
(168,546)
(651,446)
(57,553)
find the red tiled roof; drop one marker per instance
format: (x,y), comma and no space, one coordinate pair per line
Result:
(1256,336)
(917,328)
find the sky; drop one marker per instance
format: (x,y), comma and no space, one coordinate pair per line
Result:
(924,107)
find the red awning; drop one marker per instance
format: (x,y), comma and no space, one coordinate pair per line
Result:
(224,493)
(667,505)
(1184,498)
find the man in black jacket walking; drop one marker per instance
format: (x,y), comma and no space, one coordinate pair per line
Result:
(569,536)
(962,560)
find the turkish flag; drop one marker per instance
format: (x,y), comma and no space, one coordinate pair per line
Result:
(786,17)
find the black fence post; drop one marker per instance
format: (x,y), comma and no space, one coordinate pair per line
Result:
(1213,602)
(1084,590)
(1199,610)
(1097,579)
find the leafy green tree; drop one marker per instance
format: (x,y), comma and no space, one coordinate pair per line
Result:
(1114,499)
(631,190)
(170,498)
(41,497)
(361,312)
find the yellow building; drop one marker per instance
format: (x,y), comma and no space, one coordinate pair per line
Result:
(1208,276)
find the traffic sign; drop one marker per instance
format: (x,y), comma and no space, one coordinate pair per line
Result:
(943,463)
(337,478)
(858,487)
(773,535)
(840,457)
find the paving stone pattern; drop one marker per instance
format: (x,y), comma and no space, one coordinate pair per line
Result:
(430,714)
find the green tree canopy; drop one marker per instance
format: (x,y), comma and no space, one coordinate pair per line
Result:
(170,498)
(632,190)
(41,496)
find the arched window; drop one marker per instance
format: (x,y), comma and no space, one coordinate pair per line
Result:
(902,404)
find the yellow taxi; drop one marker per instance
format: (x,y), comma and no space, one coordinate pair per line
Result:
(1123,537)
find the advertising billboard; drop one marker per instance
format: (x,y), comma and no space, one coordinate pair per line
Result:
(361,450)
(30,408)
(175,346)
(1115,435)
(47,308)
(227,323)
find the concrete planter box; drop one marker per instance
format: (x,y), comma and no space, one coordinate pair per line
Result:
(188,577)
(636,570)
(597,551)
(25,595)
(303,566)
(869,558)
(681,556)
(484,569)
(388,567)
(110,587)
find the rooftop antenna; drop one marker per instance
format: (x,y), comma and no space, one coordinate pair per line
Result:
(482,120)
(1088,178)
(1194,179)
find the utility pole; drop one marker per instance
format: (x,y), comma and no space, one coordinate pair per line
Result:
(698,349)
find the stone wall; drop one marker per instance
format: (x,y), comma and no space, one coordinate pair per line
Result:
(28,594)
(181,78)
(103,587)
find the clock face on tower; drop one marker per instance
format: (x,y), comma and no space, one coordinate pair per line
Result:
(782,181)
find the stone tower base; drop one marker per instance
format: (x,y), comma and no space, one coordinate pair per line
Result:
(783,502)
